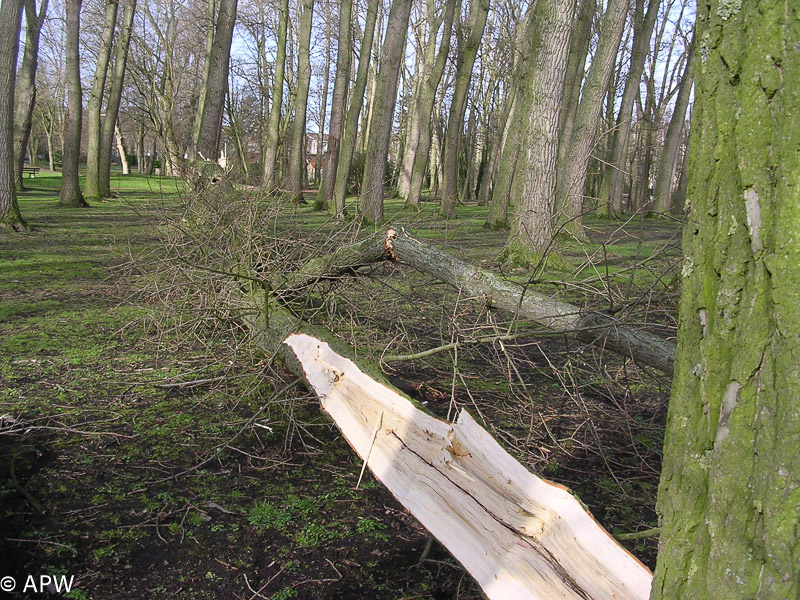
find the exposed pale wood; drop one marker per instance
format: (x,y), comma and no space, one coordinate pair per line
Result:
(518,535)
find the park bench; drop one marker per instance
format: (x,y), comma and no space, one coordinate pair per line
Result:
(31,171)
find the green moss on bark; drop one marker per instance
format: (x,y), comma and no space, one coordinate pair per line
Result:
(729,497)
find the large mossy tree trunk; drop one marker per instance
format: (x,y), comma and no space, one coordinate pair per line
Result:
(10,23)
(25,95)
(71,157)
(729,497)
(380,128)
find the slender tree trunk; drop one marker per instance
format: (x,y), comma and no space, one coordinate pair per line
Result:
(25,94)
(662,194)
(213,108)
(110,121)
(338,104)
(467,52)
(506,168)
(95,105)
(614,182)
(10,24)
(392,54)
(269,149)
(297,136)
(71,155)
(728,500)
(576,67)
(211,13)
(323,111)
(425,106)
(354,110)
(572,172)
(140,157)
(123,155)
(540,99)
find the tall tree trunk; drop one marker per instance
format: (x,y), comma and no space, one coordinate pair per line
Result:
(95,105)
(392,55)
(354,110)
(297,136)
(341,82)
(425,106)
(323,111)
(110,121)
(467,51)
(613,184)
(728,500)
(10,24)
(123,155)
(25,95)
(506,165)
(71,154)
(662,194)
(213,108)
(576,67)
(426,58)
(540,98)
(573,171)
(269,147)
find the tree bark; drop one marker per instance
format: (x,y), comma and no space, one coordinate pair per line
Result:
(539,103)
(213,108)
(380,129)
(26,87)
(323,111)
(111,119)
(665,175)
(269,147)
(10,24)
(71,156)
(95,104)
(341,83)
(297,137)
(353,111)
(572,171)
(467,52)
(728,498)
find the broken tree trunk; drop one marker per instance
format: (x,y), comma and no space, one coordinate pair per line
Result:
(588,326)
(518,535)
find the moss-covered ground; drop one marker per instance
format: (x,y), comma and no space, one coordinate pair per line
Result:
(236,486)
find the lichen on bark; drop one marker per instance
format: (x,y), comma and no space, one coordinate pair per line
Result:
(729,497)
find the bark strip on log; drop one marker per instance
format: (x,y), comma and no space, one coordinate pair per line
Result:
(518,535)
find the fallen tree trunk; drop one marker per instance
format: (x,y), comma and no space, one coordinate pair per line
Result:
(518,535)
(589,327)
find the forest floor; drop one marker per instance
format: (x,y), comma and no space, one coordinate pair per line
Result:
(119,473)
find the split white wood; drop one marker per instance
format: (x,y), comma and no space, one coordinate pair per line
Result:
(520,536)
